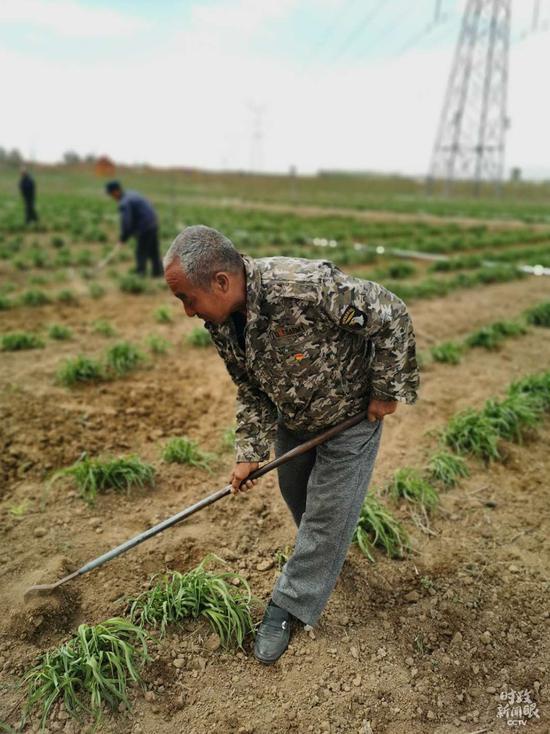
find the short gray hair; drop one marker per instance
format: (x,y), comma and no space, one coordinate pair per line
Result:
(202,252)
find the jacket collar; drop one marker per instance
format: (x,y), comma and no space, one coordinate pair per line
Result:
(253,289)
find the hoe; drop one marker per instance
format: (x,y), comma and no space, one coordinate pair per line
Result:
(184,514)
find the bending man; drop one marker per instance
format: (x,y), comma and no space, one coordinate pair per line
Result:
(307,347)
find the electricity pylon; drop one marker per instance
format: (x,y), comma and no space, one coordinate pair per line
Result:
(470,142)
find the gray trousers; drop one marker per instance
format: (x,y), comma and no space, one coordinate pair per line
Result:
(324,490)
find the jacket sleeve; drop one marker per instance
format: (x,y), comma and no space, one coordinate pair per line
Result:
(361,306)
(256,415)
(126,221)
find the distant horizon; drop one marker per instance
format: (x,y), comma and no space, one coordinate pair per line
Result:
(531,175)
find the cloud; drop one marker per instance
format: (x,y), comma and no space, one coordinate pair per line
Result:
(70,18)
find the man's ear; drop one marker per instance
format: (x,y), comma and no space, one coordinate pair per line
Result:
(221,282)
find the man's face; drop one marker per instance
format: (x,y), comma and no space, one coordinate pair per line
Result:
(209,305)
(116,194)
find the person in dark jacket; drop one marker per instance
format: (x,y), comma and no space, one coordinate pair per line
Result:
(27,187)
(138,218)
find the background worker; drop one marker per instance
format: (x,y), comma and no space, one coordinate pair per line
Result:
(307,347)
(27,187)
(138,218)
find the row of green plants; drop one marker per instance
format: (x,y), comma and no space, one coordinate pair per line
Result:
(469,433)
(491,336)
(35,297)
(15,341)
(344,251)
(420,489)
(120,359)
(92,476)
(266,233)
(433,288)
(391,276)
(39,249)
(521,255)
(408,291)
(253,230)
(96,476)
(41,260)
(39,297)
(21,340)
(479,432)
(18,340)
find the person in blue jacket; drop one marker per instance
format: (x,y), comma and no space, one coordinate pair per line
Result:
(138,218)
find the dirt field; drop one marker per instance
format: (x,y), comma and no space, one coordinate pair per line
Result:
(420,646)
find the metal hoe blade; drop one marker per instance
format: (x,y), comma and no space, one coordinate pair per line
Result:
(40,589)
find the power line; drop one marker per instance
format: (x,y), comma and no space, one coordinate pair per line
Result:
(386,31)
(358,30)
(440,19)
(428,30)
(328,32)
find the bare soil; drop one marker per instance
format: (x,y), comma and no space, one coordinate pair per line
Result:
(420,646)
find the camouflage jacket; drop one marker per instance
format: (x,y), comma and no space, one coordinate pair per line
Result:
(318,345)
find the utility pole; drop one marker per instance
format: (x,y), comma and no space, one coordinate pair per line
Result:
(470,141)
(292,174)
(257,136)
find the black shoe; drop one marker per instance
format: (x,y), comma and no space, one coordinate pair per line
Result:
(273,635)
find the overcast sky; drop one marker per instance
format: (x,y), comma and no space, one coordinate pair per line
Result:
(354,84)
